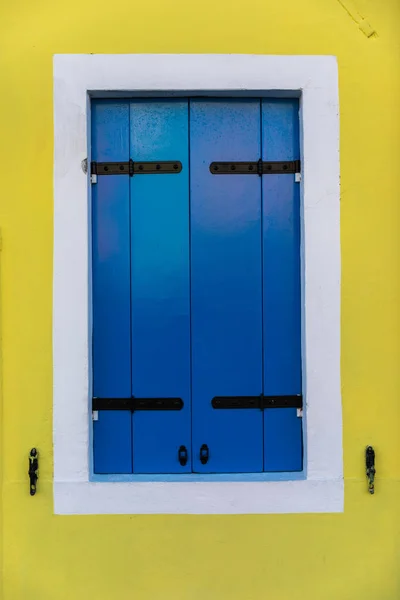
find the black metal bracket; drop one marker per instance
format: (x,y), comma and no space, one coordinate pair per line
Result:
(33,470)
(370,468)
(135,168)
(260,402)
(133,404)
(260,167)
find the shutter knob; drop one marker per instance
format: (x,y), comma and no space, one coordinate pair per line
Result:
(204,454)
(183,455)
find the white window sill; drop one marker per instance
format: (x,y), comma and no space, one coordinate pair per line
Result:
(199,498)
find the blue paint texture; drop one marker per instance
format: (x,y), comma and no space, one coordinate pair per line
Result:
(281,284)
(196,288)
(160,285)
(111,289)
(226,285)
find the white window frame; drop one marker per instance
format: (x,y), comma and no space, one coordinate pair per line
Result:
(314,79)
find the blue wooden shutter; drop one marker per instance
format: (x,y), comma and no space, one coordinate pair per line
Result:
(111,289)
(281,286)
(226,285)
(160,285)
(196,295)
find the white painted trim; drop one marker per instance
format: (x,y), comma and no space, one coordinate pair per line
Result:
(315,79)
(199,498)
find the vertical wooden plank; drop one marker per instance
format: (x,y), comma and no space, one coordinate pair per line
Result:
(225,284)
(111,288)
(281,281)
(160,285)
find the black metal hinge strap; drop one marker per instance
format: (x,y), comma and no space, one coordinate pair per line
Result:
(260,167)
(260,402)
(136,168)
(236,402)
(294,401)
(134,404)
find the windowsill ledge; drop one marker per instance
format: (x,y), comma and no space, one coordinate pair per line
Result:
(234,497)
(197,477)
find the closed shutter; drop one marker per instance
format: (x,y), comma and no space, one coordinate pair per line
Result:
(196,287)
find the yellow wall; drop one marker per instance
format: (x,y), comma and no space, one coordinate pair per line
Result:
(350,556)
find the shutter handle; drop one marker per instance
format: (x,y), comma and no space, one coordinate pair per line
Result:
(183,455)
(204,454)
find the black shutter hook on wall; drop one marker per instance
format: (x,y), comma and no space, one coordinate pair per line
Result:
(33,470)
(370,468)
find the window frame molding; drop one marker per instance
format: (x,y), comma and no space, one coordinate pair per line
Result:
(314,79)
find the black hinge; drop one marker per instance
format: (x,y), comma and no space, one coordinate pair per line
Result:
(134,404)
(261,167)
(260,402)
(136,168)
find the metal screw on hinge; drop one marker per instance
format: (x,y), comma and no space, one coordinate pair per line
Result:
(370,468)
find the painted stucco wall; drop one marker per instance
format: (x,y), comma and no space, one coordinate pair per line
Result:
(347,556)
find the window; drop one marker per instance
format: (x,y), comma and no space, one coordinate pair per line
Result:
(312,81)
(196,287)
